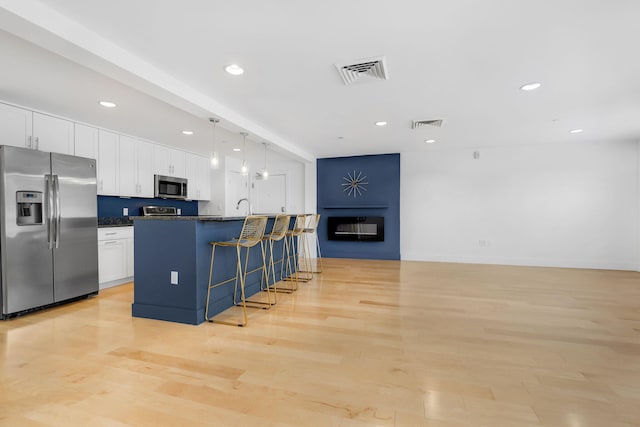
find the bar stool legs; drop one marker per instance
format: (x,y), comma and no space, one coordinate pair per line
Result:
(294,261)
(239,276)
(294,247)
(309,230)
(288,270)
(251,234)
(265,278)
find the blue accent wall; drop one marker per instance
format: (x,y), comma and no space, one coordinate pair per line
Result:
(381,198)
(111,206)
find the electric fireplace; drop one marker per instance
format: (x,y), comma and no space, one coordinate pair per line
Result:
(356,228)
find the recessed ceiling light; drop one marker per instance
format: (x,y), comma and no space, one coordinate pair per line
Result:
(576,131)
(187,132)
(236,149)
(108,104)
(429,141)
(381,123)
(234,69)
(531,86)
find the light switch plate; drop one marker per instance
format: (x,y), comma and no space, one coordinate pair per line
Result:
(179,211)
(174,277)
(125,211)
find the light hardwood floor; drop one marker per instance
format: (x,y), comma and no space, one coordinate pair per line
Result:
(366,343)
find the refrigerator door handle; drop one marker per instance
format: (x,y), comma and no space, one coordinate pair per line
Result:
(48,196)
(56,195)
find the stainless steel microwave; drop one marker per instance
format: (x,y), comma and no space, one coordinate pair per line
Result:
(170,187)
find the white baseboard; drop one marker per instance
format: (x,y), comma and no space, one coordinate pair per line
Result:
(111,284)
(529,262)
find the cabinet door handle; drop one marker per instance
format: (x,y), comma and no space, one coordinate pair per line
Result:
(30,142)
(37,143)
(101,186)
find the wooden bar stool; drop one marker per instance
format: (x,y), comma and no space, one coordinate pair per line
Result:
(278,233)
(250,236)
(292,237)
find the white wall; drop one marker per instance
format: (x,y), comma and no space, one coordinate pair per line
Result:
(569,205)
(223,201)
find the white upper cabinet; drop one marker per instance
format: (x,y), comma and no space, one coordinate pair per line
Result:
(128,174)
(24,128)
(86,141)
(204,179)
(145,169)
(108,171)
(197,174)
(136,174)
(16,125)
(126,165)
(52,134)
(168,161)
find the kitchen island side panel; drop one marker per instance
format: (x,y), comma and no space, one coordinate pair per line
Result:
(159,249)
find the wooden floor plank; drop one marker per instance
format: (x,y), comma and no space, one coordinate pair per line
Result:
(365,343)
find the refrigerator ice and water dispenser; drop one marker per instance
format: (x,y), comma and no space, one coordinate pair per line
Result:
(29,205)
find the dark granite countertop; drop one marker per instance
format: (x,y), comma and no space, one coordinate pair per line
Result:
(115,221)
(189,218)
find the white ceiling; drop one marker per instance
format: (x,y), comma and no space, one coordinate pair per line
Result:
(460,60)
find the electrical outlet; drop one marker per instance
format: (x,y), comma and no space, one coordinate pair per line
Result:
(179,211)
(174,277)
(125,211)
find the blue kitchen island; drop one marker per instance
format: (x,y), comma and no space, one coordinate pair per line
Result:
(178,248)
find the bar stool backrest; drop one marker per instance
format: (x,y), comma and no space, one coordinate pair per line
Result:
(298,227)
(313,222)
(280,227)
(252,230)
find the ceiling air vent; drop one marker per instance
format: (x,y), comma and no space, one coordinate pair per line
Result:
(375,68)
(420,123)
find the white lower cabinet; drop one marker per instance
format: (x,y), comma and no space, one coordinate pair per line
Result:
(115,255)
(130,257)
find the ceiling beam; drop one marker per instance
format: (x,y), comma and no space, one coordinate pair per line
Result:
(51,30)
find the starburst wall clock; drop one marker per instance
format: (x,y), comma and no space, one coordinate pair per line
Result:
(355,184)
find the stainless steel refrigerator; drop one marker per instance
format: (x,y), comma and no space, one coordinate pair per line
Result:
(48,236)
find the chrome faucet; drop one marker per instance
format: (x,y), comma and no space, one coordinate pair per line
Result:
(248,203)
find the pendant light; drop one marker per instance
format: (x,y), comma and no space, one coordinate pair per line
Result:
(214,154)
(265,172)
(244,169)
